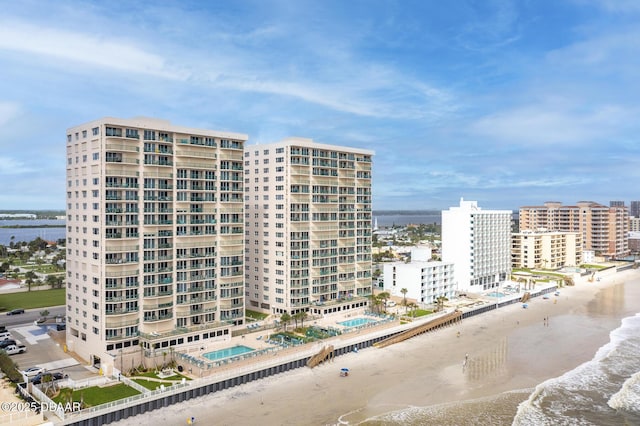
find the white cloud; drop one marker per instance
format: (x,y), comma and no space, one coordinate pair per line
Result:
(548,124)
(114,54)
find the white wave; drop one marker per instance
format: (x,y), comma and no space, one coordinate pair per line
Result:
(562,393)
(627,398)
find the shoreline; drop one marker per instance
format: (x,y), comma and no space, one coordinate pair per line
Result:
(428,370)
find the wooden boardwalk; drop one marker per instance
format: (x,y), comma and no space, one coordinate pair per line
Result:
(443,321)
(320,357)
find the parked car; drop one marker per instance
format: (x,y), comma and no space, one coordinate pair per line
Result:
(15,312)
(33,371)
(3,328)
(5,335)
(7,342)
(15,349)
(48,377)
(61,327)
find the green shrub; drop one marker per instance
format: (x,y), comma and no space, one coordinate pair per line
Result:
(9,368)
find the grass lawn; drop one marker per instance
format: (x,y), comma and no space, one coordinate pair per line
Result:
(258,316)
(151,385)
(95,395)
(417,313)
(590,266)
(32,299)
(44,269)
(152,374)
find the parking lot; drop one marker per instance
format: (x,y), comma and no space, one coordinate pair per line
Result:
(44,351)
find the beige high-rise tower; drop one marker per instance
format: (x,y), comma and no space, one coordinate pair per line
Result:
(603,229)
(154,236)
(308,227)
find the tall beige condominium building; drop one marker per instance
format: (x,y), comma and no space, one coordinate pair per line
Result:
(603,229)
(308,227)
(546,249)
(154,236)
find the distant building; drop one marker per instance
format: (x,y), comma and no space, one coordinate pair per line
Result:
(634,224)
(616,203)
(634,209)
(478,243)
(424,281)
(546,249)
(603,229)
(634,242)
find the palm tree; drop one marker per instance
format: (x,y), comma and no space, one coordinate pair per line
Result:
(30,276)
(303,316)
(440,303)
(404,292)
(411,306)
(67,395)
(372,301)
(384,296)
(285,319)
(296,317)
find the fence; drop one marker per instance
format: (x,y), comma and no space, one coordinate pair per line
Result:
(46,401)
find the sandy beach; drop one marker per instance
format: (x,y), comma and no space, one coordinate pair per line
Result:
(509,349)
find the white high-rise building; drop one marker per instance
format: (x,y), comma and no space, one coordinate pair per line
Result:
(155,232)
(308,227)
(478,242)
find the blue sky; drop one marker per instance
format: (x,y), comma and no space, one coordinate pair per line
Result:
(509,103)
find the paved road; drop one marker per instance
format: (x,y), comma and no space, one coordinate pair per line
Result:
(30,315)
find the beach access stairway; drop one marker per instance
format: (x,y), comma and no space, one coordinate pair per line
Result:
(443,321)
(525,297)
(320,357)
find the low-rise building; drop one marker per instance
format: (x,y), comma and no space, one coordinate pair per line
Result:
(546,249)
(424,281)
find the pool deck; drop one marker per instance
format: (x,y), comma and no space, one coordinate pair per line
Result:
(258,340)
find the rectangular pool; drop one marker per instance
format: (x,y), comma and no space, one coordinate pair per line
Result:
(227,352)
(356,322)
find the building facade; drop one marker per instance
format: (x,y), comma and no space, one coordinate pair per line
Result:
(478,243)
(308,227)
(634,224)
(634,209)
(154,236)
(424,281)
(546,249)
(603,229)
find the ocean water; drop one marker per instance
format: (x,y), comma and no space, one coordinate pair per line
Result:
(601,392)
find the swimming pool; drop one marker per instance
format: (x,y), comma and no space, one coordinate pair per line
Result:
(227,352)
(495,294)
(356,322)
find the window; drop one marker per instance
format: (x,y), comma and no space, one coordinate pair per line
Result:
(96,155)
(84,133)
(95,131)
